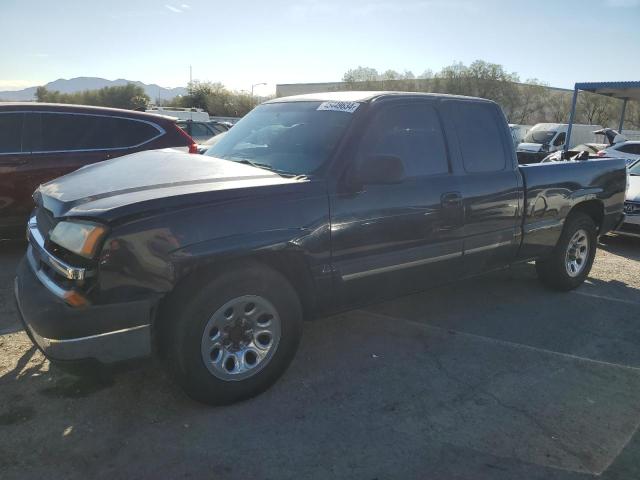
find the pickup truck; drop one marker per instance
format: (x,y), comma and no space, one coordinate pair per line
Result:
(309,205)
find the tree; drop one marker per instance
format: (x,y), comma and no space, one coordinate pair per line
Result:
(129,96)
(361,74)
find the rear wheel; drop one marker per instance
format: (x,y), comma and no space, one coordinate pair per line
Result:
(235,337)
(570,263)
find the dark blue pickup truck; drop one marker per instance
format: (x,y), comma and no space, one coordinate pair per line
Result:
(309,205)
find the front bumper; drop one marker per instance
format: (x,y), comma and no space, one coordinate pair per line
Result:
(630,226)
(107,333)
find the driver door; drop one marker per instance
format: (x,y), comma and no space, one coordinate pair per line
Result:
(392,239)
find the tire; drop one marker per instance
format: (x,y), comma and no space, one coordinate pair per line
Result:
(197,359)
(576,246)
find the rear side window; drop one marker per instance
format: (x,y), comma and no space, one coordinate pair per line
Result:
(200,130)
(11,132)
(632,148)
(69,131)
(479,136)
(411,132)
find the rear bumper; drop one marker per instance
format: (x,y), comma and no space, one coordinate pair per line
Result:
(106,333)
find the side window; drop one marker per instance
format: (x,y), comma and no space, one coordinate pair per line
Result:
(411,132)
(630,148)
(68,131)
(560,139)
(129,133)
(479,135)
(199,130)
(11,132)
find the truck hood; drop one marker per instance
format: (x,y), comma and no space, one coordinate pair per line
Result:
(529,147)
(149,180)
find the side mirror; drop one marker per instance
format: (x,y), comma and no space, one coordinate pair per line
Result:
(379,170)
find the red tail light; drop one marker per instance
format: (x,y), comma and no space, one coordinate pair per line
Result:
(193,147)
(601,153)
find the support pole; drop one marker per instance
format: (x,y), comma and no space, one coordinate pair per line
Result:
(624,110)
(572,117)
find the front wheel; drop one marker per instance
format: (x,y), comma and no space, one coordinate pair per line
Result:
(235,337)
(570,263)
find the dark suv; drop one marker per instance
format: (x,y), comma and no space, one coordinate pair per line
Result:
(39,142)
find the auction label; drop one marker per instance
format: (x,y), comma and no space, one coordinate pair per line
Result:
(348,107)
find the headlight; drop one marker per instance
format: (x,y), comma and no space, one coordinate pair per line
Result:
(79,237)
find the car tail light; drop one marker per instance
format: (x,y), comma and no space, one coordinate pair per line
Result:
(601,153)
(193,147)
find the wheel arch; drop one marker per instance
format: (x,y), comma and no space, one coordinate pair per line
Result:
(592,208)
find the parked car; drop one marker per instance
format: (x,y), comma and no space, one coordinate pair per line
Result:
(584,151)
(310,204)
(629,150)
(202,131)
(207,144)
(631,223)
(39,142)
(545,138)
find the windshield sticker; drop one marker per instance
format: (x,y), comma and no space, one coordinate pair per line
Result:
(348,107)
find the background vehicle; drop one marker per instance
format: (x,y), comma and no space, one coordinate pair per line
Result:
(518,132)
(207,144)
(201,131)
(631,224)
(545,138)
(309,204)
(591,150)
(195,114)
(629,150)
(39,142)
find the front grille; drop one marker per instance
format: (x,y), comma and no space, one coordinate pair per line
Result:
(45,220)
(632,208)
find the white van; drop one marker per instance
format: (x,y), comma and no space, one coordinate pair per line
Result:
(195,114)
(518,132)
(545,138)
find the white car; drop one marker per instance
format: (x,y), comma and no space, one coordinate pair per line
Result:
(631,223)
(628,150)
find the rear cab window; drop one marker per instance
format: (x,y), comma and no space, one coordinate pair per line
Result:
(480,138)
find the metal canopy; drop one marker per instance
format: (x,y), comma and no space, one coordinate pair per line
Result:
(621,90)
(624,91)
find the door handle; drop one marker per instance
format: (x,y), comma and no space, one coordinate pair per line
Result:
(451,199)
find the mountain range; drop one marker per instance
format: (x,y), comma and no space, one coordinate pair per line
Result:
(79,84)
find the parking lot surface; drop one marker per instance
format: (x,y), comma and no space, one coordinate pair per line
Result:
(491,378)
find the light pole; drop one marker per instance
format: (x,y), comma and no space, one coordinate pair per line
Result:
(256,85)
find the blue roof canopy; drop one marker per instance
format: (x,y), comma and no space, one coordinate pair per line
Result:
(621,90)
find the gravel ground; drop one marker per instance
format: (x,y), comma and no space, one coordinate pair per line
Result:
(486,379)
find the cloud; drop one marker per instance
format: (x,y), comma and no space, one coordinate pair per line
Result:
(623,3)
(186,6)
(173,9)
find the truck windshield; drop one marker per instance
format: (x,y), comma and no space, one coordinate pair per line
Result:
(293,138)
(539,136)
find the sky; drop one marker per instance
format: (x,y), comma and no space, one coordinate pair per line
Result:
(245,42)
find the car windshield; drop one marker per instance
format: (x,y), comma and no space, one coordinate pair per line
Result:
(539,136)
(635,168)
(293,138)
